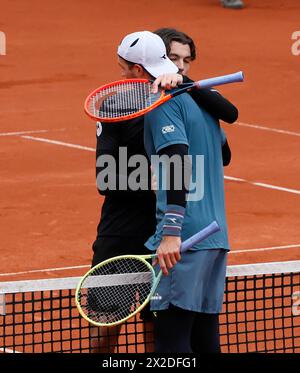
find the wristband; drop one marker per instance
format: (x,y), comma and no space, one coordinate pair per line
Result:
(173,220)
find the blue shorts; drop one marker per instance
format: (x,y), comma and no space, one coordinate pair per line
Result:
(195,283)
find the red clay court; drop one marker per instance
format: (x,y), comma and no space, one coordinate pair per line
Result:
(57,52)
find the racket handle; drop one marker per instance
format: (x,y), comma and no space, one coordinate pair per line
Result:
(220,80)
(200,236)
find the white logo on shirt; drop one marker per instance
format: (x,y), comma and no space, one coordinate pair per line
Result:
(99,129)
(168,129)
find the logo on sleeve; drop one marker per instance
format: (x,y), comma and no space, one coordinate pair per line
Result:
(168,129)
(99,128)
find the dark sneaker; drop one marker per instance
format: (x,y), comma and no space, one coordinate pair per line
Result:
(233,4)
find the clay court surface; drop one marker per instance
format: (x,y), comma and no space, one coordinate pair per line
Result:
(58,51)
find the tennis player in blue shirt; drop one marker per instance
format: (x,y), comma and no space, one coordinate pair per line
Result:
(193,286)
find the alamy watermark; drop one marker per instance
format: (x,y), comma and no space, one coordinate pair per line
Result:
(2,43)
(296,303)
(295,49)
(114,173)
(2,305)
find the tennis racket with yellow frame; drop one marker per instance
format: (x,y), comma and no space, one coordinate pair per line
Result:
(116,289)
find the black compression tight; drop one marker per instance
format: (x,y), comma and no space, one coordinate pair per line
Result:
(180,331)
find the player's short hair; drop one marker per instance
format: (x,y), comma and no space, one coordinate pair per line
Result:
(170,34)
(130,64)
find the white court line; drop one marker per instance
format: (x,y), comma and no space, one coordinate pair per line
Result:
(43,270)
(9,351)
(263,185)
(259,127)
(68,145)
(265,249)
(21,133)
(262,249)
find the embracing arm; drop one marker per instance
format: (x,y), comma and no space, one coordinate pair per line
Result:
(226,154)
(220,108)
(209,99)
(169,249)
(214,103)
(177,195)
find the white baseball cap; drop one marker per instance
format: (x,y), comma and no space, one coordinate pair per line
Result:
(148,50)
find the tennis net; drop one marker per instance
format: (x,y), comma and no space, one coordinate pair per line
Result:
(261,313)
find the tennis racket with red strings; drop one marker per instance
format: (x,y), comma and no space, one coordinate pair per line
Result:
(131,98)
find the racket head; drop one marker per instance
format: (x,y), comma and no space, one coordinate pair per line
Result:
(116,289)
(122,100)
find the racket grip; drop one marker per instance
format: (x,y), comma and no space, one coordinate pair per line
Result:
(220,80)
(200,236)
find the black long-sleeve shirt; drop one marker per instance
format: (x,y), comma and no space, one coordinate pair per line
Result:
(125,212)
(214,103)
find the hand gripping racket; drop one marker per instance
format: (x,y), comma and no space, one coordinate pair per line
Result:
(118,288)
(130,98)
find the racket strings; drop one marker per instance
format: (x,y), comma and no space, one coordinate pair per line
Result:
(115,290)
(122,99)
